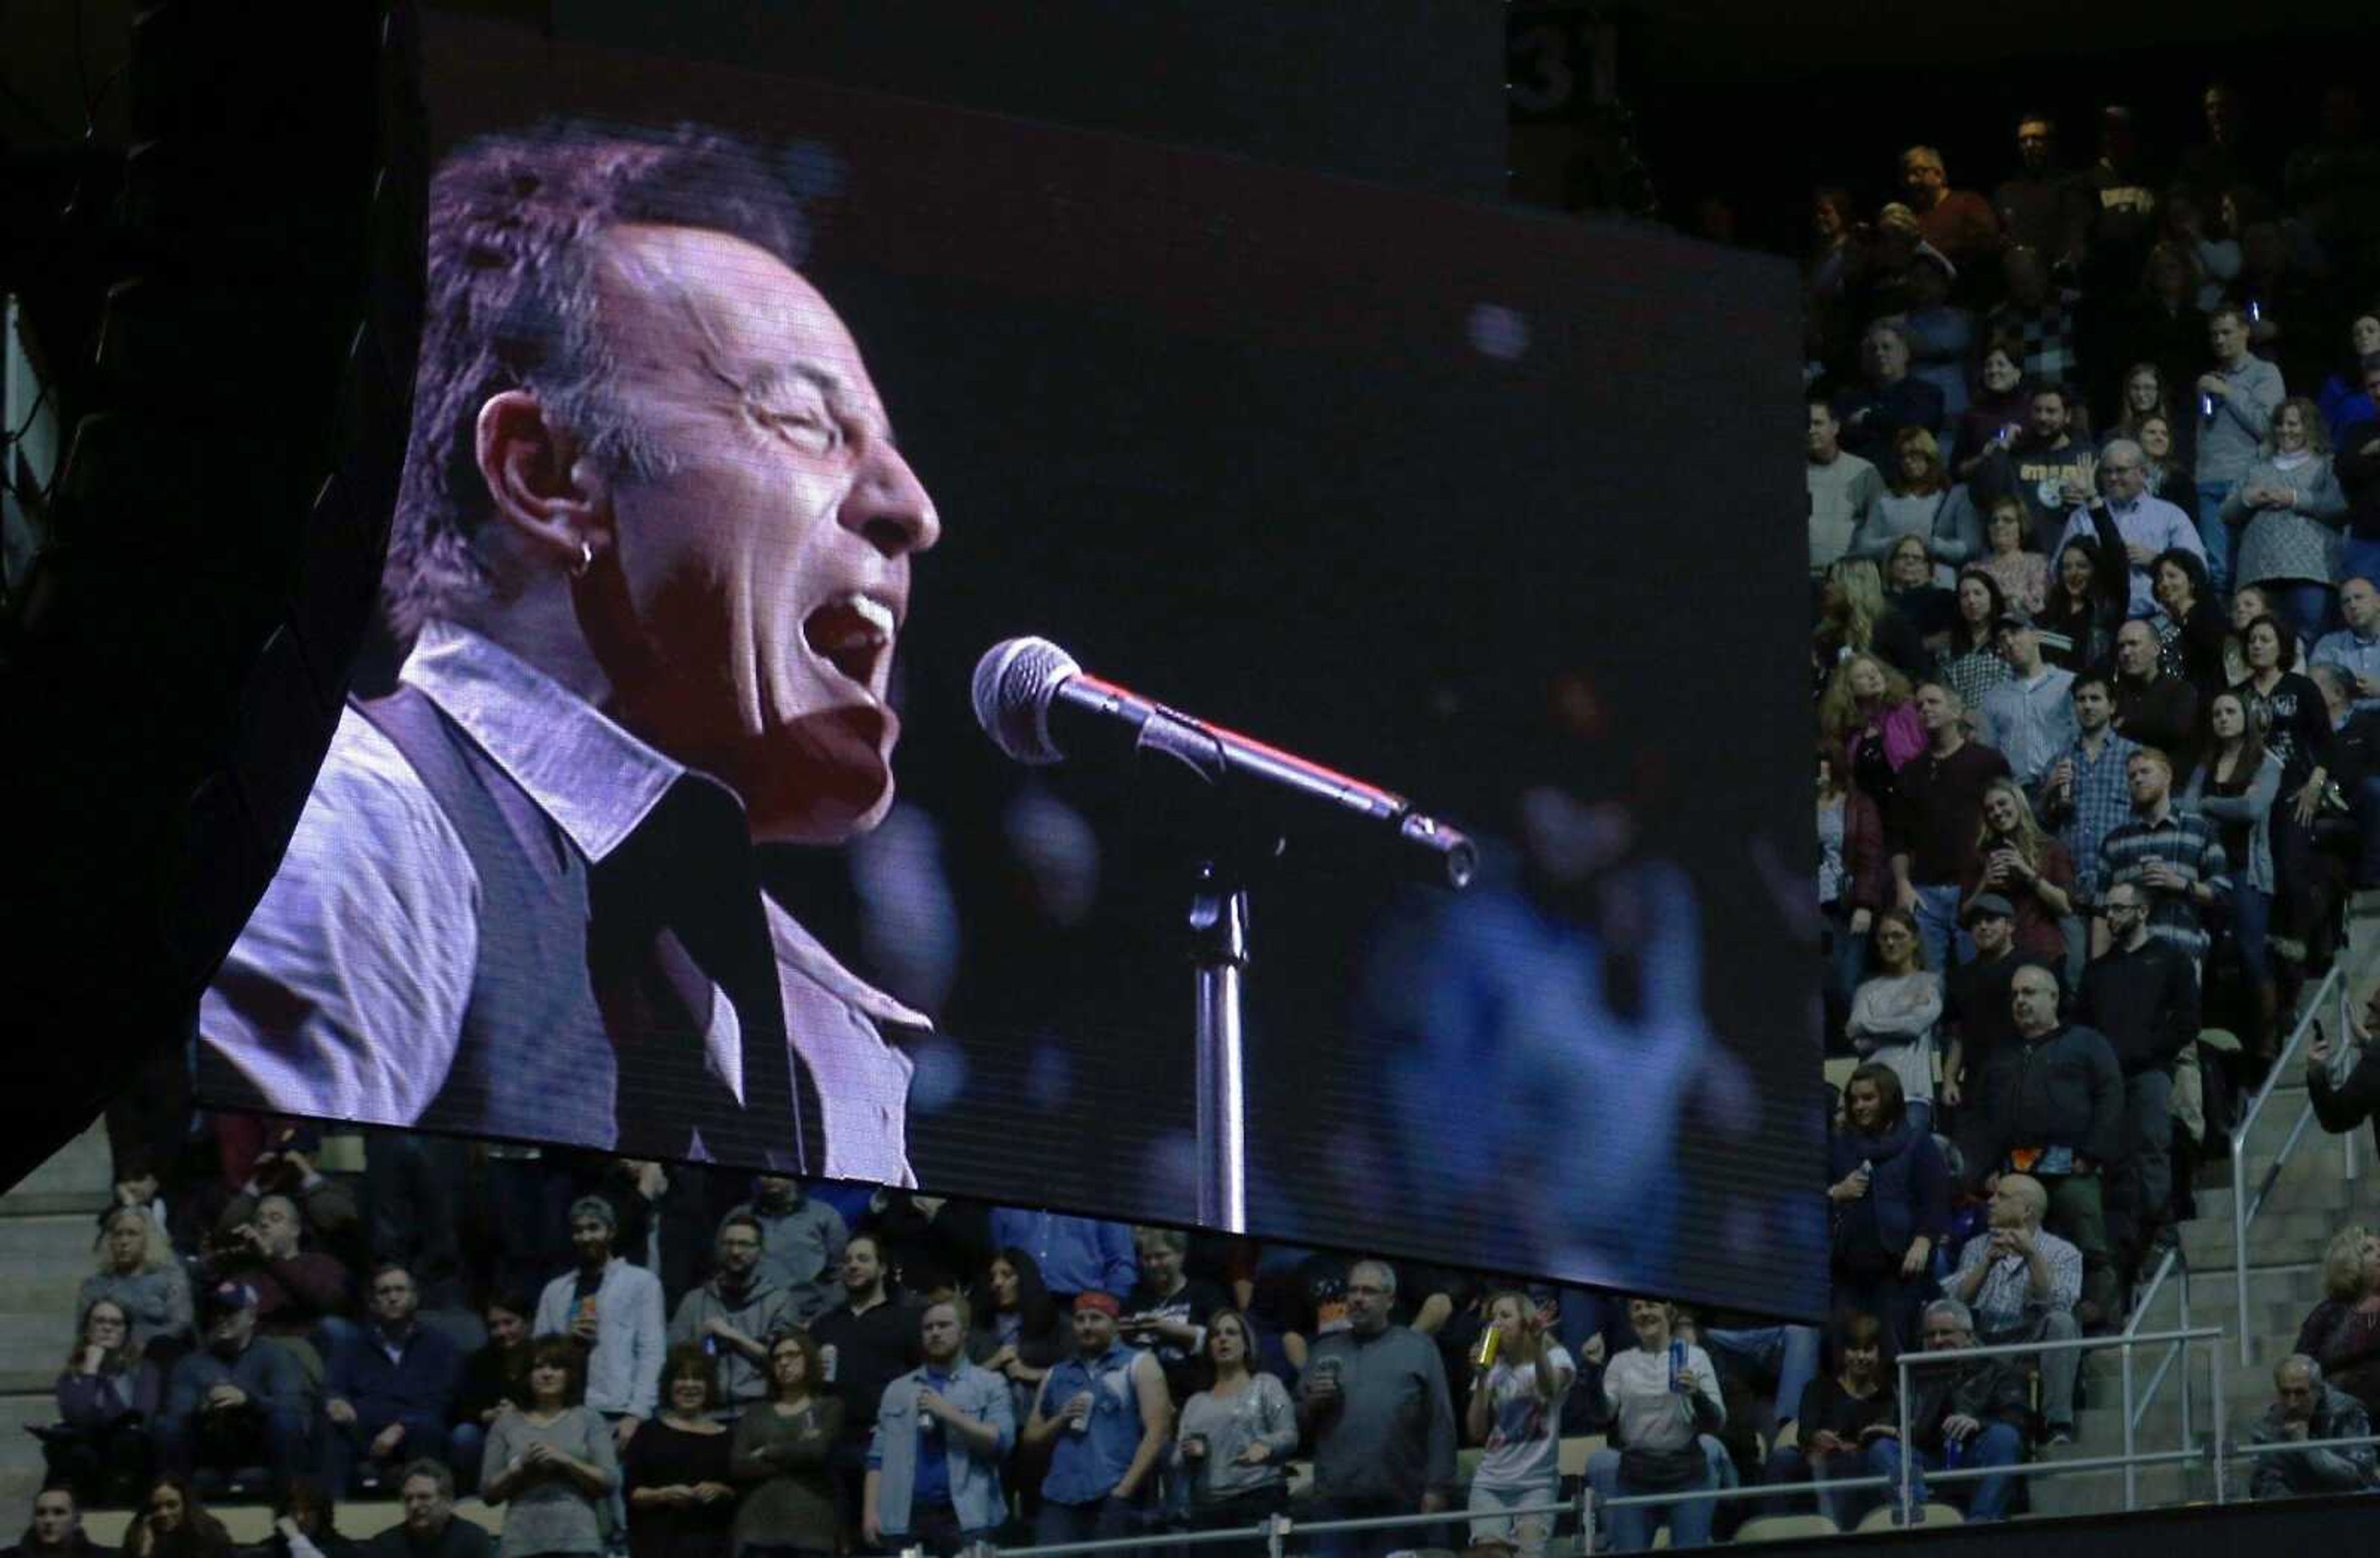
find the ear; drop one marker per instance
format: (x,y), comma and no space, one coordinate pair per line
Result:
(540,492)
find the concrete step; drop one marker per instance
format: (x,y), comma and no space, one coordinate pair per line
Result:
(2329,1192)
(73,1179)
(2276,1238)
(2100,1492)
(44,1245)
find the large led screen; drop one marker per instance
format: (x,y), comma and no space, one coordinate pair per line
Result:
(752,413)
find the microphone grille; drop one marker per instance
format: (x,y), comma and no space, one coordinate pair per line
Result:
(1013,684)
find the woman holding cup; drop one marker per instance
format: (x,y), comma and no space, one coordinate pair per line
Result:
(1519,1379)
(1236,1436)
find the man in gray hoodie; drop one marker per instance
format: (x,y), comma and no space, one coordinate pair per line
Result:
(734,1315)
(801,1242)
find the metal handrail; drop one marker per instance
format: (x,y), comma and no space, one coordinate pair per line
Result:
(2242,1212)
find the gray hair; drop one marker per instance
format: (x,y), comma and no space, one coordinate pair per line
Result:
(1388,1273)
(1955,1310)
(2124,446)
(596,1207)
(2299,1363)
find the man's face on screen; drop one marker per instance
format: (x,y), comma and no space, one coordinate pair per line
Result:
(763,579)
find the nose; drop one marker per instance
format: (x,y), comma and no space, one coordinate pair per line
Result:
(888,506)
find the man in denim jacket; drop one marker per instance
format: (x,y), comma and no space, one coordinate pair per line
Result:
(942,1432)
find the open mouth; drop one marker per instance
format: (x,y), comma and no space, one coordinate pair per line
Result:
(853,634)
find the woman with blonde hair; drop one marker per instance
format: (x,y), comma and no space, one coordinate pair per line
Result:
(1919,500)
(2343,1332)
(138,1271)
(1869,713)
(1853,618)
(2015,858)
(2290,508)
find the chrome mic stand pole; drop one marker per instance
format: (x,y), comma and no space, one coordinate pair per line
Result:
(1218,953)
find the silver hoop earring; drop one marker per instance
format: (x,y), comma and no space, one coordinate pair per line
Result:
(585,558)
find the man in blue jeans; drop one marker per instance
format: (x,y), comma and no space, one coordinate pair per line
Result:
(1106,1411)
(1934,820)
(2236,399)
(1963,1415)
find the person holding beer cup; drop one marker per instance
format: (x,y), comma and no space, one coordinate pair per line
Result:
(1519,1379)
(1106,1417)
(1237,1435)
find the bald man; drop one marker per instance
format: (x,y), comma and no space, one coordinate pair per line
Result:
(2022,1282)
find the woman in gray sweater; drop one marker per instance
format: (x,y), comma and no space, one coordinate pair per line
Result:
(2289,507)
(553,1463)
(137,1270)
(1236,1436)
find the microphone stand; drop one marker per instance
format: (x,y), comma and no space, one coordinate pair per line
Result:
(1219,952)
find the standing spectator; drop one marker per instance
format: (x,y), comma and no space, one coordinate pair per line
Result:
(2022,575)
(1941,335)
(612,1310)
(781,1454)
(2087,601)
(284,1165)
(1975,1003)
(1932,825)
(1870,716)
(237,1402)
(2015,858)
(2141,995)
(2050,468)
(2175,853)
(1894,1014)
(2146,526)
(2056,1112)
(55,1529)
(1970,664)
(554,1463)
(2029,718)
(732,1316)
(2146,394)
(2354,647)
(2236,399)
(1851,878)
(942,1433)
(2290,507)
(1889,403)
(1969,1414)
(1888,1195)
(493,1379)
(1909,589)
(107,1395)
(2126,201)
(2044,317)
(2306,1406)
(1373,1399)
(1106,1409)
(2021,1283)
(2163,320)
(1843,489)
(174,1523)
(2342,1333)
(681,1503)
(1017,1333)
(2290,321)
(1075,1254)
(2235,791)
(1996,409)
(2153,709)
(865,1342)
(2041,207)
(2343,403)
(1516,1412)
(2191,631)
(1664,1395)
(297,1289)
(389,1387)
(1839,1421)
(2084,796)
(426,1527)
(801,1242)
(2171,463)
(1958,223)
(1854,618)
(1166,1312)
(2297,730)
(2348,1095)
(1237,1435)
(139,1273)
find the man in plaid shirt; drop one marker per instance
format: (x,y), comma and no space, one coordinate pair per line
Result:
(2174,856)
(2085,795)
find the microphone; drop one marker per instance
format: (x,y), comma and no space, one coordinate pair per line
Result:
(1039,706)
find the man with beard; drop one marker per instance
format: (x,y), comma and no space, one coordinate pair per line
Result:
(653,549)
(865,1343)
(735,1314)
(942,1432)
(614,1309)
(1975,1002)
(1105,1408)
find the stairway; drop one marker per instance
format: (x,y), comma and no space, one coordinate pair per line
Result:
(47,1235)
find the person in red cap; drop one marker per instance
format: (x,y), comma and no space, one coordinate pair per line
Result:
(1108,1411)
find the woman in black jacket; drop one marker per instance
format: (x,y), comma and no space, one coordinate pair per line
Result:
(1888,1195)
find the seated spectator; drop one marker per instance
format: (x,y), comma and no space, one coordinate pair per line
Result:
(2345,1087)
(1838,1422)
(238,1401)
(1963,1414)
(1108,1402)
(1895,1013)
(2154,708)
(1909,589)
(942,1430)
(735,1312)
(2129,522)
(1932,824)
(1888,402)
(297,1289)
(554,1462)
(107,1395)
(2022,575)
(779,1456)
(139,1273)
(1976,1010)
(389,1388)
(1075,1254)
(2354,647)
(1889,1195)
(1166,1312)
(2342,1333)
(612,1311)
(2021,1283)
(1843,489)
(1919,505)
(2056,1112)
(801,1243)
(2191,630)
(675,1473)
(174,1523)
(2287,507)
(1869,716)
(1971,663)
(426,1527)
(493,1379)
(2085,604)
(1662,1399)
(1514,1412)
(1237,1436)
(2305,1408)
(2297,730)
(1997,408)
(304,1524)
(55,1529)
(2016,861)
(1854,618)
(2236,790)
(327,1216)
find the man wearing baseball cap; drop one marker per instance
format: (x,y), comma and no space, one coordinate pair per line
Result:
(2029,719)
(1107,1409)
(237,1403)
(1975,1002)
